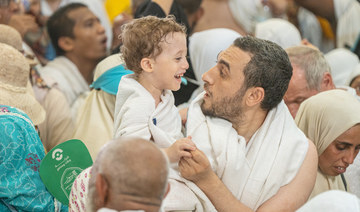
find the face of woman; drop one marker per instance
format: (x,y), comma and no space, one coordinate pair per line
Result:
(341,152)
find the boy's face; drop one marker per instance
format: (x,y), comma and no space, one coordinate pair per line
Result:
(89,35)
(171,64)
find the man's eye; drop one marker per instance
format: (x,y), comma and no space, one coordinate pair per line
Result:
(222,74)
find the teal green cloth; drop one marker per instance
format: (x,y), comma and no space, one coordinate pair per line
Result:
(109,81)
(21,152)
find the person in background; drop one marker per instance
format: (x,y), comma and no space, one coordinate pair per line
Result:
(339,14)
(342,62)
(331,119)
(49,7)
(21,151)
(58,125)
(311,75)
(279,31)
(80,43)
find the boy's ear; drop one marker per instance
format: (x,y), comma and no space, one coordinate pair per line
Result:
(66,44)
(147,64)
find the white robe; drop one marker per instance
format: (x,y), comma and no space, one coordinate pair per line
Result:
(136,115)
(253,172)
(348,30)
(63,74)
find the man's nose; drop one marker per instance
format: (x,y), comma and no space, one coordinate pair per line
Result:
(207,76)
(100,28)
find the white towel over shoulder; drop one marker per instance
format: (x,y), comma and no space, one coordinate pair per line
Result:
(253,172)
(136,115)
(63,74)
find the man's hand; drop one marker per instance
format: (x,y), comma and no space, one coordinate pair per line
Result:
(24,23)
(196,168)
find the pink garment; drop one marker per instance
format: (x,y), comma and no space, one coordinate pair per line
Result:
(79,191)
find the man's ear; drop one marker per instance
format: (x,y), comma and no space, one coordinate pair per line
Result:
(102,188)
(327,82)
(199,13)
(254,96)
(66,44)
(167,190)
(147,64)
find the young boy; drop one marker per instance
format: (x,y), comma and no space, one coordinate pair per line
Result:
(155,50)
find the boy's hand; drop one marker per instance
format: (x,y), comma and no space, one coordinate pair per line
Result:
(181,148)
(196,168)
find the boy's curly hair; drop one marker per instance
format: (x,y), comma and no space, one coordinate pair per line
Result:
(142,38)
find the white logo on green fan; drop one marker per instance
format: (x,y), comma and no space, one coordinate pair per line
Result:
(57,154)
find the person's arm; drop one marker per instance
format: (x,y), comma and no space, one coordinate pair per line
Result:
(323,8)
(198,169)
(293,195)
(288,198)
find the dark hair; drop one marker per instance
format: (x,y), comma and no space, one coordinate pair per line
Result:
(60,25)
(268,68)
(189,6)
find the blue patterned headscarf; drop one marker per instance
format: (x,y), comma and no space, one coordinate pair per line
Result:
(21,152)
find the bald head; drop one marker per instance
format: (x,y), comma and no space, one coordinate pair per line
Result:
(135,172)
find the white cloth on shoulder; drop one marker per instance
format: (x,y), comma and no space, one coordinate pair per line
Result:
(347,30)
(136,115)
(334,201)
(63,74)
(184,196)
(253,172)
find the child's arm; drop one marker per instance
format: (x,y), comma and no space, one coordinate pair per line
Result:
(181,148)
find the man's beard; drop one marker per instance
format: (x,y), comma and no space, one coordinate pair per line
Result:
(227,108)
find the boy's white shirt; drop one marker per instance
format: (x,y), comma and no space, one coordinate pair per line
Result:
(136,115)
